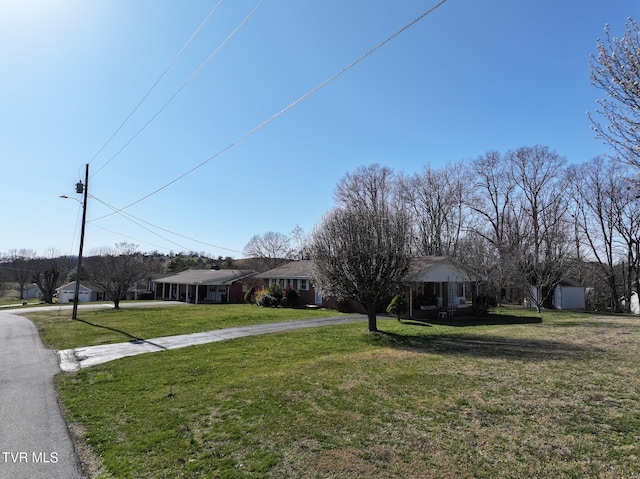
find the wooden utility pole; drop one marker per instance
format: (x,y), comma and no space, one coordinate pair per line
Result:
(80,188)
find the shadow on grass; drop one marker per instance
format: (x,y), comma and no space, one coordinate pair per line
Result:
(483,346)
(486,320)
(133,339)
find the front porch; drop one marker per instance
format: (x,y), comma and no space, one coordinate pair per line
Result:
(193,293)
(441,300)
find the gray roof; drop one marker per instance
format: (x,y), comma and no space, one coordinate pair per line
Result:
(294,270)
(207,276)
(420,266)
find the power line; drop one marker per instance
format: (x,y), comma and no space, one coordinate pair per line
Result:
(186,82)
(281,112)
(179,54)
(135,220)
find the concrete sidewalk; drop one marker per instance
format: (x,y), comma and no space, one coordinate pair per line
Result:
(73,359)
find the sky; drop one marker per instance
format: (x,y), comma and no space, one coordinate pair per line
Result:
(177,107)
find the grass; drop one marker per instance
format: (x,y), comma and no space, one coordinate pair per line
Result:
(11,304)
(105,326)
(553,398)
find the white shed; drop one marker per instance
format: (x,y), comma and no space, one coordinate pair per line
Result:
(569,295)
(566,295)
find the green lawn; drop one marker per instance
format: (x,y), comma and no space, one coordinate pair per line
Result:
(104,326)
(553,398)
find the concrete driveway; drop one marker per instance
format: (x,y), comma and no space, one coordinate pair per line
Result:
(74,359)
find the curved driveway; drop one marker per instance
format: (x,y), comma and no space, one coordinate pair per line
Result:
(34,439)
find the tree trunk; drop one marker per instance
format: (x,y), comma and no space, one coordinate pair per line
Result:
(372,316)
(116,303)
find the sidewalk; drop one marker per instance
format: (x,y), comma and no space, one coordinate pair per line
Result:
(73,359)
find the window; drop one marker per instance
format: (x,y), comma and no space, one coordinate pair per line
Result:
(460,289)
(304,284)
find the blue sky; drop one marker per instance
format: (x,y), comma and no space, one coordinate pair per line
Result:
(470,77)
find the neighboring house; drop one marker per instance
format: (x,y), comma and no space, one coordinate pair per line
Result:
(440,286)
(31,291)
(567,294)
(204,286)
(296,275)
(87,292)
(437,284)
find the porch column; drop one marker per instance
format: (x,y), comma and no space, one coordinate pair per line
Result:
(410,302)
(197,286)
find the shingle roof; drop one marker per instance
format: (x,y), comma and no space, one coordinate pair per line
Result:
(207,276)
(420,266)
(420,263)
(294,270)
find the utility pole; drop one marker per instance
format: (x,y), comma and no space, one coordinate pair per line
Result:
(80,188)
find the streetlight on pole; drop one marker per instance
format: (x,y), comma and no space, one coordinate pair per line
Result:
(80,188)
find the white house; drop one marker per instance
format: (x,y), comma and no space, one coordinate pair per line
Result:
(440,285)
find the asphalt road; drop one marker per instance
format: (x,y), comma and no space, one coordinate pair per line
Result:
(34,439)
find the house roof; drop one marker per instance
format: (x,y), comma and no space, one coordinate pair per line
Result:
(570,283)
(294,270)
(84,286)
(207,276)
(439,269)
(421,268)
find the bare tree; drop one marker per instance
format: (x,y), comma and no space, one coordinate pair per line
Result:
(628,228)
(46,273)
(368,187)
(596,186)
(360,250)
(269,250)
(117,271)
(616,71)
(546,250)
(361,256)
(300,241)
(491,200)
(435,199)
(20,269)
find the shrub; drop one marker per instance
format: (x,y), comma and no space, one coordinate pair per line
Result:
(397,306)
(145,295)
(484,303)
(275,290)
(291,296)
(249,296)
(267,301)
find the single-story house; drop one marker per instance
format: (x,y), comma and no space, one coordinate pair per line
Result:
(440,286)
(567,294)
(296,275)
(204,286)
(87,292)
